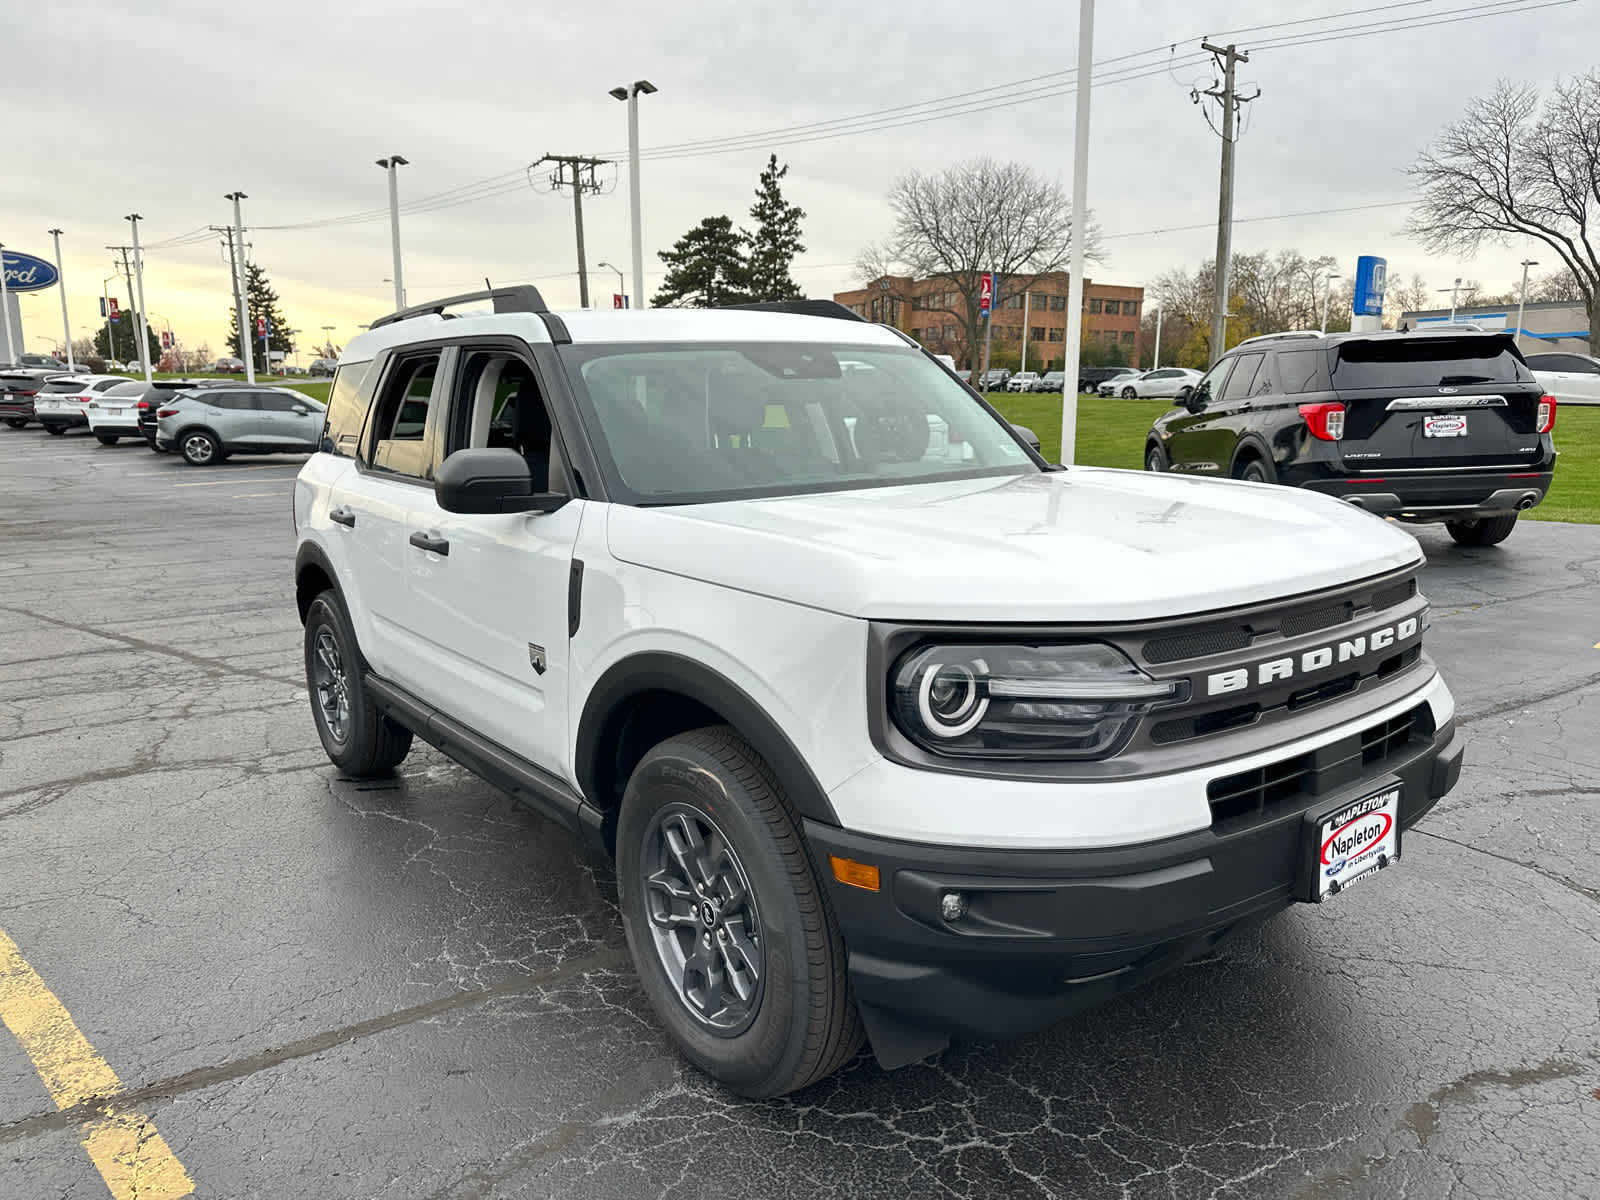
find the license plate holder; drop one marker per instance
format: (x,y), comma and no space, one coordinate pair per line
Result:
(1350,841)
(1444,425)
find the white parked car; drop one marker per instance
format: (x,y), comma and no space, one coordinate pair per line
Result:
(1162,382)
(1022,381)
(114,412)
(888,746)
(1570,378)
(63,402)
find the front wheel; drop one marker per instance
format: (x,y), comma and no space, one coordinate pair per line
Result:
(1484,531)
(730,930)
(358,739)
(1155,460)
(1129,393)
(106,439)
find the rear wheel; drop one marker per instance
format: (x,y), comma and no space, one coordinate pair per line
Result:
(1254,470)
(55,430)
(17,422)
(199,448)
(106,439)
(1484,531)
(359,740)
(730,929)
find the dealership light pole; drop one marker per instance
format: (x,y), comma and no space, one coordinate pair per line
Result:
(246,351)
(1327,294)
(390,164)
(621,288)
(111,329)
(631,95)
(1454,290)
(1156,361)
(1080,234)
(5,306)
(1522,296)
(327,344)
(138,274)
(66,325)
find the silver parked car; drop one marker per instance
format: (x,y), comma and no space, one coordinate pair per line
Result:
(206,426)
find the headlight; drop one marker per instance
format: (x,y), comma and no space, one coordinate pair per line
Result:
(990,701)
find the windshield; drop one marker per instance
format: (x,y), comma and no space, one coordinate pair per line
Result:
(686,423)
(1427,363)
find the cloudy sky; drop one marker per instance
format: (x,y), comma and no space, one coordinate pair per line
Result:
(160,108)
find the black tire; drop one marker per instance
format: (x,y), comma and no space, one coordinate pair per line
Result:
(155,447)
(200,448)
(363,742)
(800,1023)
(17,422)
(1255,470)
(1484,531)
(1155,459)
(55,430)
(106,439)
(1129,393)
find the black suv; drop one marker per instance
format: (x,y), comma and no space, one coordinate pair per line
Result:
(1448,426)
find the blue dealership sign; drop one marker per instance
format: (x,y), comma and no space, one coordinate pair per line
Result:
(25,273)
(1370,273)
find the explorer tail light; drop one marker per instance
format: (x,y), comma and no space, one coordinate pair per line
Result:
(1546,420)
(1326,421)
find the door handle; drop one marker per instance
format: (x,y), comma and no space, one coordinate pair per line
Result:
(423,541)
(343,515)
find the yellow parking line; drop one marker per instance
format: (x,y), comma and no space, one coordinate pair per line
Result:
(132,1158)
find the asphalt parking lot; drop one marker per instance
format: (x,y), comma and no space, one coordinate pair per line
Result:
(313,987)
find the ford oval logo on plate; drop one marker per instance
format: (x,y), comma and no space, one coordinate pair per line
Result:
(25,273)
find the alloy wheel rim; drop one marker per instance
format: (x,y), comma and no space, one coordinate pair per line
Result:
(198,448)
(703,919)
(330,685)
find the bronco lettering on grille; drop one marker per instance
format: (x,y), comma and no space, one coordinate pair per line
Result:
(1316,659)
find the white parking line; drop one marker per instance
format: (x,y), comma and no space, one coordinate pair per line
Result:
(233,470)
(257,495)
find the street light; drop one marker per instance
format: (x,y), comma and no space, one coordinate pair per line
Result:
(389,164)
(1327,294)
(630,94)
(1522,297)
(61,282)
(621,290)
(172,342)
(327,341)
(1454,289)
(5,308)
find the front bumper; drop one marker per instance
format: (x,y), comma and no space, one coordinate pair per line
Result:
(1452,496)
(1050,932)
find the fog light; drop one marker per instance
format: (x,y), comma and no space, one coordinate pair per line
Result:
(953,906)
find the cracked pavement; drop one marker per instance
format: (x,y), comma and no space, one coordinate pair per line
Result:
(415,988)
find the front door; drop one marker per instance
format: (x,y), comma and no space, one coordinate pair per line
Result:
(489,592)
(1191,445)
(288,422)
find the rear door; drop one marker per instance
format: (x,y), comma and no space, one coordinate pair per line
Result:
(1420,402)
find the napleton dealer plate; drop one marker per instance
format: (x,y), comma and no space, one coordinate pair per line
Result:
(1356,840)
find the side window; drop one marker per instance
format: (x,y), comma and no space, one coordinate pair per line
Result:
(279,402)
(1211,384)
(1243,379)
(498,404)
(235,401)
(347,410)
(1299,371)
(400,419)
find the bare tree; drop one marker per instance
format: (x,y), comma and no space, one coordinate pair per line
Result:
(980,216)
(1403,297)
(1507,169)
(1556,286)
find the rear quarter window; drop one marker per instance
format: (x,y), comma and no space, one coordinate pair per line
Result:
(1301,371)
(1427,363)
(347,410)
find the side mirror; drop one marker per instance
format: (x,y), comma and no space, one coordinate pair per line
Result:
(1185,395)
(491,481)
(1028,436)
(300,409)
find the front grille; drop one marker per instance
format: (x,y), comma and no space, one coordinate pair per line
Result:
(1319,618)
(1250,794)
(1397,594)
(1198,644)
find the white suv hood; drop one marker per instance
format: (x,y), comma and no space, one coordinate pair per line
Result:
(1084,544)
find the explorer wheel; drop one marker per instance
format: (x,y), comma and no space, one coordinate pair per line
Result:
(358,739)
(200,449)
(106,439)
(1253,470)
(1155,459)
(1484,531)
(730,930)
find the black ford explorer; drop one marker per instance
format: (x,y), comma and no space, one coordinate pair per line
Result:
(1444,426)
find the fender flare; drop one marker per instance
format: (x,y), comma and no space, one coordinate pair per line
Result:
(1253,442)
(652,671)
(312,555)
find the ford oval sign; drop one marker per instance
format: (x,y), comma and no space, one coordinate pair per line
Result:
(25,273)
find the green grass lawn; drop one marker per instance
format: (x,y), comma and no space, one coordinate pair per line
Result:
(317,389)
(1111,434)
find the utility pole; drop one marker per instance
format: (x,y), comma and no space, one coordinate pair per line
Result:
(577,172)
(111,328)
(66,325)
(138,273)
(389,164)
(245,350)
(127,277)
(1522,296)
(1228,56)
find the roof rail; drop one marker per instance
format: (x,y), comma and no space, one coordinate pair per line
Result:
(801,308)
(523,297)
(1287,333)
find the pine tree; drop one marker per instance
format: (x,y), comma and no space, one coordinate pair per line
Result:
(706,268)
(124,337)
(776,241)
(263,302)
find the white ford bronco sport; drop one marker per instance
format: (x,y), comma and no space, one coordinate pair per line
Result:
(895,730)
